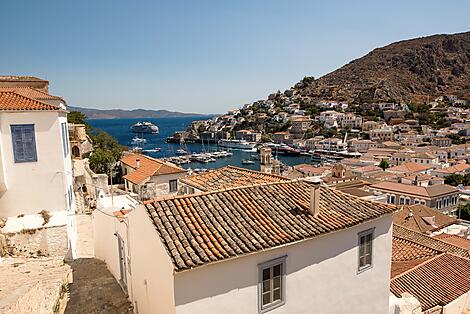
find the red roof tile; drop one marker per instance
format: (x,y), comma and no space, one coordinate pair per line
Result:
(11,101)
(454,240)
(228,177)
(212,226)
(422,219)
(436,282)
(30,93)
(148,167)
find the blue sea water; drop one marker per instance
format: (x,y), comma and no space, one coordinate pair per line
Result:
(120,129)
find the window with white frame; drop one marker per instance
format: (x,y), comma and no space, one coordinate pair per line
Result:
(365,243)
(65,138)
(271,288)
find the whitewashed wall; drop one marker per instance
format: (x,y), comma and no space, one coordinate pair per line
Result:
(321,277)
(34,186)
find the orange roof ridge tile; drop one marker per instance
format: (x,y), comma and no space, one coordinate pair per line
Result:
(10,100)
(421,264)
(432,239)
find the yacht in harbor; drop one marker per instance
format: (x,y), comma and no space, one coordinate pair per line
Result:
(237,144)
(137,140)
(145,127)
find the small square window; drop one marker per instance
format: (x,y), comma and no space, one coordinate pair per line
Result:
(365,247)
(271,288)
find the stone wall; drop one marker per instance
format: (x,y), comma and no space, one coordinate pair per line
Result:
(50,241)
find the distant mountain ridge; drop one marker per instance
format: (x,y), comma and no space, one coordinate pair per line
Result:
(413,70)
(134,113)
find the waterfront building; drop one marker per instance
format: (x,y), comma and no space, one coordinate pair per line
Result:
(442,197)
(146,177)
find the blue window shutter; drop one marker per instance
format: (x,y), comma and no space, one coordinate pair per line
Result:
(24,143)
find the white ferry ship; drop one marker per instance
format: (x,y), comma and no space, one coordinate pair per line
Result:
(237,144)
(145,127)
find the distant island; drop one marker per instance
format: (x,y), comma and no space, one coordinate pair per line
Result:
(134,113)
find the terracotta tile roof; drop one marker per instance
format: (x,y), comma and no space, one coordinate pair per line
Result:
(424,191)
(356,192)
(422,219)
(436,282)
(148,167)
(368,169)
(455,240)
(228,177)
(405,250)
(409,167)
(424,240)
(407,254)
(307,168)
(454,169)
(212,226)
(20,78)
(12,101)
(30,93)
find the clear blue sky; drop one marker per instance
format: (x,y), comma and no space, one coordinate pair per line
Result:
(201,56)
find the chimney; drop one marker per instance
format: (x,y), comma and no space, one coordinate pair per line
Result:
(314,207)
(137,162)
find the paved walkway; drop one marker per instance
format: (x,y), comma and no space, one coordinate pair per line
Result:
(84,236)
(94,290)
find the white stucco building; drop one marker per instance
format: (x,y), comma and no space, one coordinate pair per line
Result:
(283,247)
(35,163)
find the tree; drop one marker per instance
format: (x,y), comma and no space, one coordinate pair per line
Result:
(464,212)
(454,179)
(76,117)
(107,151)
(384,164)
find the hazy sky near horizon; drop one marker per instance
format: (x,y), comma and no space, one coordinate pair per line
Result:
(201,56)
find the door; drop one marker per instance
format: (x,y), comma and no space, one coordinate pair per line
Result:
(122,263)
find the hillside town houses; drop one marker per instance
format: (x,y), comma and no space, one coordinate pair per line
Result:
(371,222)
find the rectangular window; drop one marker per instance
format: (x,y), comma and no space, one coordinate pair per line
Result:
(65,138)
(271,288)
(365,240)
(24,143)
(173,185)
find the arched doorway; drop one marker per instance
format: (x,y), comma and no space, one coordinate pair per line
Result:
(76,152)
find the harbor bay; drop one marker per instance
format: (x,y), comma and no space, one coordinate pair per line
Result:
(121,130)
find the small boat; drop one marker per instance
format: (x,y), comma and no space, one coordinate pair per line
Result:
(137,140)
(237,144)
(145,127)
(247,162)
(154,150)
(181,151)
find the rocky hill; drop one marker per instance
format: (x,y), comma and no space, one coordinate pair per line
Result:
(411,70)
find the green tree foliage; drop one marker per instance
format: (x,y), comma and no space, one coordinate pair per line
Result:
(384,164)
(106,150)
(457,179)
(464,212)
(76,117)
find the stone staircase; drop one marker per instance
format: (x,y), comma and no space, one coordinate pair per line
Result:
(94,290)
(79,203)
